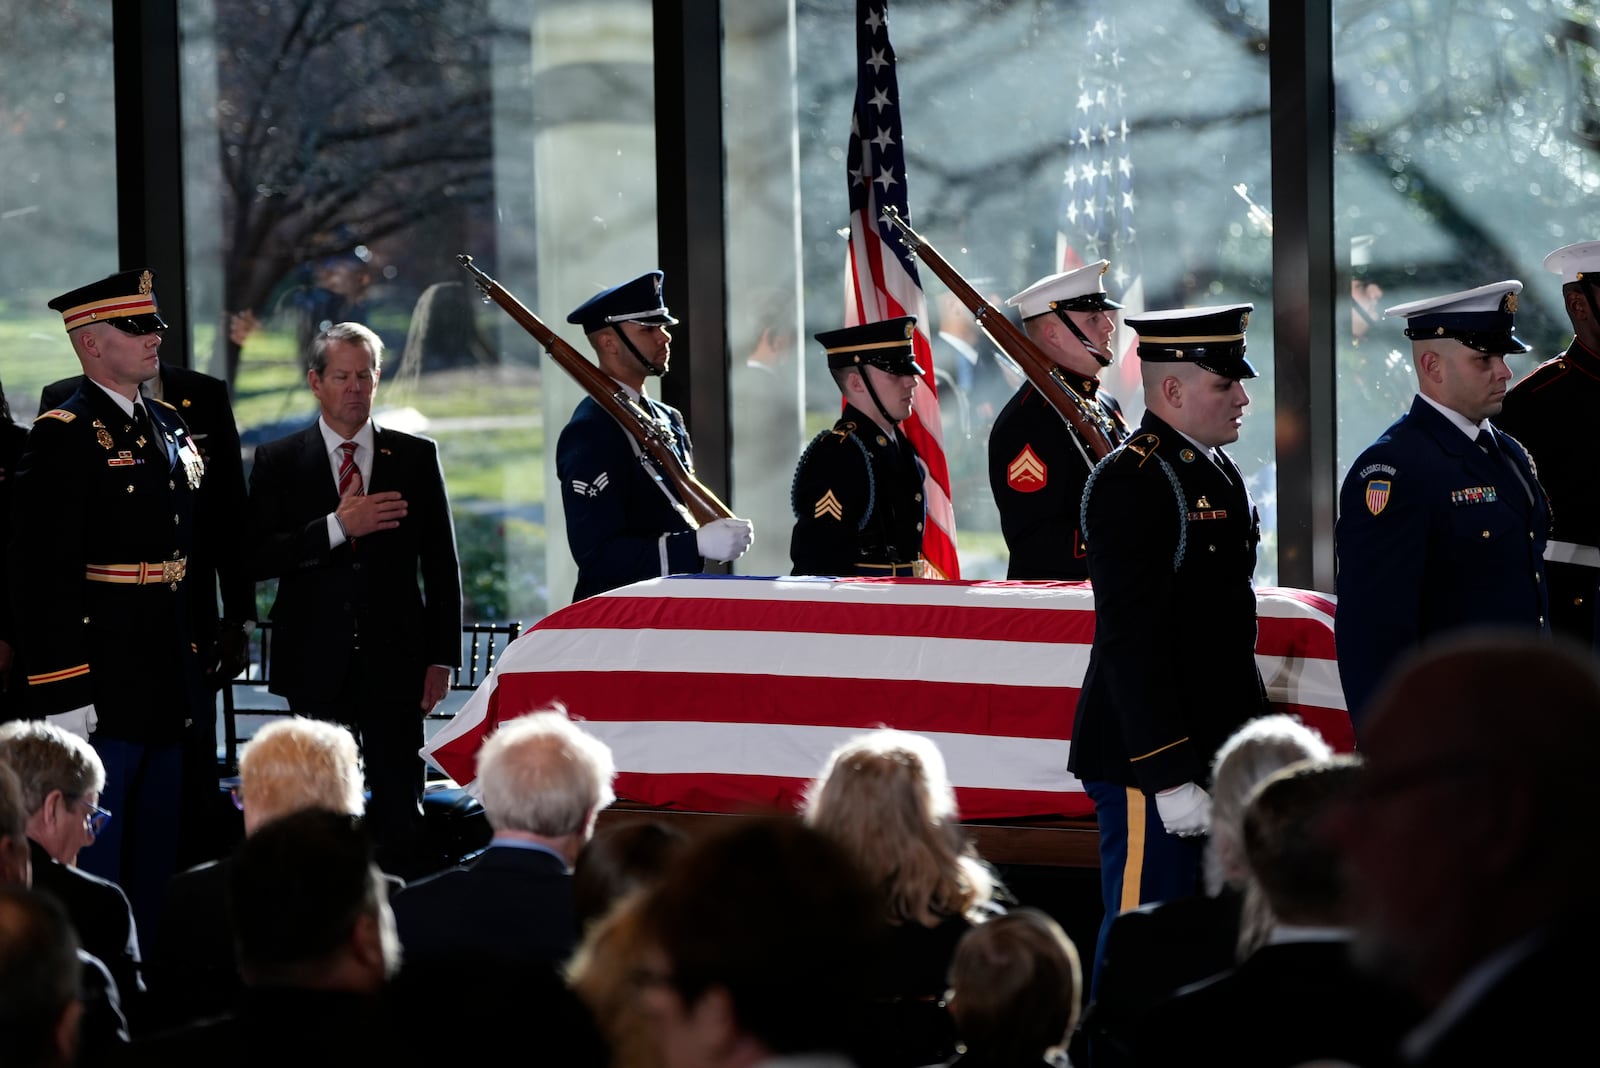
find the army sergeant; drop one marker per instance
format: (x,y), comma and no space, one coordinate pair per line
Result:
(858,499)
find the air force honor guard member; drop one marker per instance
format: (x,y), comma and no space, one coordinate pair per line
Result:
(1172,535)
(857,496)
(1037,462)
(1442,521)
(1551,412)
(107,485)
(625,522)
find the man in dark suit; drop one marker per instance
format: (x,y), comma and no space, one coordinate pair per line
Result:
(624,521)
(544,780)
(1549,411)
(1038,463)
(1442,521)
(347,515)
(61,778)
(857,492)
(108,484)
(1171,533)
(218,562)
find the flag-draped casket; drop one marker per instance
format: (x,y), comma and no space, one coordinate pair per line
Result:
(721,694)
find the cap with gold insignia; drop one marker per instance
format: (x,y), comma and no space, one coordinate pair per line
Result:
(1579,262)
(635,301)
(1480,318)
(1079,289)
(125,300)
(886,345)
(1211,338)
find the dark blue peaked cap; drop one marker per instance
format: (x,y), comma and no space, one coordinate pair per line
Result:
(886,345)
(638,301)
(1481,318)
(1211,338)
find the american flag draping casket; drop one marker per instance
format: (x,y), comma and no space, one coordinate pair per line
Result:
(722,694)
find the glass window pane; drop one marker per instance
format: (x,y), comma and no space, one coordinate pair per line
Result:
(1037,135)
(58,174)
(340,157)
(1465,151)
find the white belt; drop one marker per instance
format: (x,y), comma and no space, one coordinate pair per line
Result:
(1567,552)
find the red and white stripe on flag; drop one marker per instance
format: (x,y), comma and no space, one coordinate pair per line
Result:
(721,694)
(883,282)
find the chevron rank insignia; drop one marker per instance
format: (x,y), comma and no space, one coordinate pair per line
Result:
(1027,473)
(828,505)
(591,489)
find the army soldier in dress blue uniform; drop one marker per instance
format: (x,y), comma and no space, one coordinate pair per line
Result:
(625,522)
(105,497)
(1037,462)
(1550,411)
(858,499)
(1442,521)
(1172,535)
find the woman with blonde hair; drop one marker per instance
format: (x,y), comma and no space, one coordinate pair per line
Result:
(886,798)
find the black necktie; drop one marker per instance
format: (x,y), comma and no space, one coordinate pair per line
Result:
(1491,448)
(147,433)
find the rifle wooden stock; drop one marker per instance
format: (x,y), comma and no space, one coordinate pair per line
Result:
(1087,418)
(701,505)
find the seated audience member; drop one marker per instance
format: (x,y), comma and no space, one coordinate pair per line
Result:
(39,970)
(1153,950)
(1014,989)
(753,949)
(543,779)
(289,765)
(61,777)
(603,974)
(1471,848)
(885,798)
(310,918)
(1299,996)
(99,1029)
(617,861)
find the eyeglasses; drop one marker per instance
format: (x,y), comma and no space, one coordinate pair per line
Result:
(133,327)
(96,818)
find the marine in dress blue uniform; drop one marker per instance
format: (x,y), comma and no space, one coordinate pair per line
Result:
(858,495)
(1550,412)
(625,522)
(1038,462)
(98,561)
(1442,520)
(1172,535)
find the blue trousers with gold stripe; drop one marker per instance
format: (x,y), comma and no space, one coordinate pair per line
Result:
(1139,861)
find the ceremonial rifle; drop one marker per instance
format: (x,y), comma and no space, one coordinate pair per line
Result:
(700,504)
(1088,418)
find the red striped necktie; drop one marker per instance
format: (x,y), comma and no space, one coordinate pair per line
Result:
(349,473)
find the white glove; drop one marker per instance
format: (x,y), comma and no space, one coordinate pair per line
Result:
(725,539)
(80,721)
(1185,810)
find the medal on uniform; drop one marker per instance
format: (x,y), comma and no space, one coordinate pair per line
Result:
(103,436)
(194,468)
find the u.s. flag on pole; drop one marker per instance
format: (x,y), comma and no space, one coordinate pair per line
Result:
(1096,218)
(721,694)
(882,276)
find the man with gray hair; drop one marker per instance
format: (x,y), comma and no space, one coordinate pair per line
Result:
(61,777)
(348,516)
(544,779)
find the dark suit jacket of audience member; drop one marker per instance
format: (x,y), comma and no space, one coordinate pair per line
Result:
(12,438)
(220,506)
(509,903)
(277,1026)
(1285,1004)
(906,1022)
(192,973)
(101,915)
(1150,953)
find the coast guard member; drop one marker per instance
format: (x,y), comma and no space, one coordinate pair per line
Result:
(857,496)
(106,488)
(625,522)
(1442,521)
(1549,412)
(1038,462)
(1172,535)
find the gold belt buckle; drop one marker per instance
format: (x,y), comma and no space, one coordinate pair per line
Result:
(172,571)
